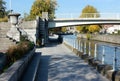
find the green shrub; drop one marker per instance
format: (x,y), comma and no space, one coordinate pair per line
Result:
(23,38)
(118,32)
(5,19)
(88,36)
(11,54)
(17,51)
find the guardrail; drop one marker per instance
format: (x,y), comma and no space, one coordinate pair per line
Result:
(106,54)
(88,15)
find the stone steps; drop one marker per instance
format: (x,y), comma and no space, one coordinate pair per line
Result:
(3,32)
(5,43)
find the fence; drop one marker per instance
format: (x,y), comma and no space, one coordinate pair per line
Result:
(105,53)
(88,15)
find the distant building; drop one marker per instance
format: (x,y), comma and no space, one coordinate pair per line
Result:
(113,29)
(71,29)
(110,29)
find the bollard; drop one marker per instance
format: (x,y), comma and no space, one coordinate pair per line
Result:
(103,55)
(95,61)
(89,49)
(84,56)
(114,74)
(100,67)
(78,45)
(95,52)
(73,44)
(84,48)
(81,46)
(115,60)
(90,59)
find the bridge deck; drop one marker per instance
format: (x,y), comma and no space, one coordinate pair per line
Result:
(60,64)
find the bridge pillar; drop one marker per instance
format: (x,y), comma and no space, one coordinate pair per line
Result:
(42,31)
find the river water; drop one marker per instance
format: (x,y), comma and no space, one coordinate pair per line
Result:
(105,52)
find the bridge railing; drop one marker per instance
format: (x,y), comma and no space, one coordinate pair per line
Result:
(88,15)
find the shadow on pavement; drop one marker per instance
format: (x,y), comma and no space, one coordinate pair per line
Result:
(42,74)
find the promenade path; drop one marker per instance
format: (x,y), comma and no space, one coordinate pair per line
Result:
(58,63)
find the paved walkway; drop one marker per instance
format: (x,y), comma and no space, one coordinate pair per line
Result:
(60,64)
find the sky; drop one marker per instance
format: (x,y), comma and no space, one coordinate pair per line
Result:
(68,6)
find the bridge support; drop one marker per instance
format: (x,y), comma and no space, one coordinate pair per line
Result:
(42,31)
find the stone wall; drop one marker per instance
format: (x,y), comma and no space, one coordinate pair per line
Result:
(5,25)
(28,24)
(105,38)
(24,24)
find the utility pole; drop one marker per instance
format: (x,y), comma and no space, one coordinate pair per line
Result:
(11,6)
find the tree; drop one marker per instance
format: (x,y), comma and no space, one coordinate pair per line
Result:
(2,8)
(89,12)
(64,29)
(94,28)
(82,28)
(40,6)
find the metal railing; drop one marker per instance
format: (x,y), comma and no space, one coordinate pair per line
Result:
(88,15)
(106,54)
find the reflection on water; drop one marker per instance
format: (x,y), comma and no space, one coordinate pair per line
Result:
(105,50)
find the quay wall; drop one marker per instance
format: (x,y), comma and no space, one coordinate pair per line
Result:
(105,38)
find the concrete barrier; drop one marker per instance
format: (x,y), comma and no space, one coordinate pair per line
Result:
(2,61)
(14,72)
(31,71)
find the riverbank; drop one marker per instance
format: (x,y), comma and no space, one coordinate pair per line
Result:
(115,39)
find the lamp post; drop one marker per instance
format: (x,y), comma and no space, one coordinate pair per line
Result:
(13,33)
(11,6)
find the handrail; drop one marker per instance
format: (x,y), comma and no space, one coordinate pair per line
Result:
(23,32)
(87,15)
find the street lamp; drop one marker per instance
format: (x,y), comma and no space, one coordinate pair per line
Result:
(11,7)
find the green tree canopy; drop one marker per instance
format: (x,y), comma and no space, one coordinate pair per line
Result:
(89,12)
(94,28)
(2,8)
(64,29)
(82,28)
(40,6)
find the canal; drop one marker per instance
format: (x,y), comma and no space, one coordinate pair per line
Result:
(106,53)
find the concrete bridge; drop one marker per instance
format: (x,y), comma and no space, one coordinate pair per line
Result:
(44,24)
(81,21)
